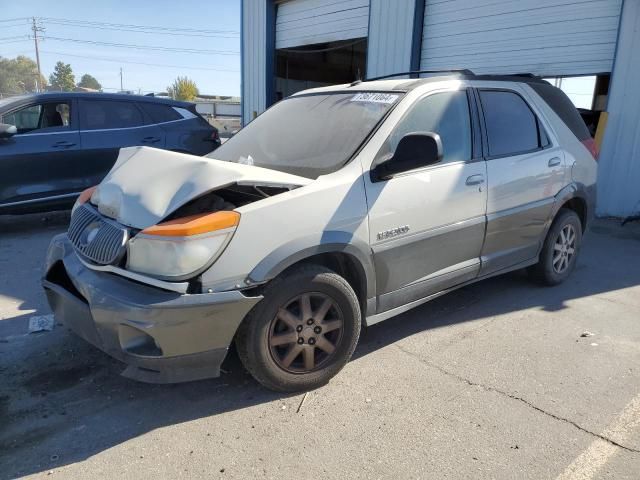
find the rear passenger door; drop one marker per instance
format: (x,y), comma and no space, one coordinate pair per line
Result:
(525,170)
(106,126)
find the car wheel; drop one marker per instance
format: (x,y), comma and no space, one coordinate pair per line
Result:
(302,332)
(560,250)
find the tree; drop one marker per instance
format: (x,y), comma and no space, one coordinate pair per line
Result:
(19,75)
(183,88)
(62,77)
(89,81)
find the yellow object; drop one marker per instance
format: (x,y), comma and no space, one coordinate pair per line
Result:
(195,224)
(602,126)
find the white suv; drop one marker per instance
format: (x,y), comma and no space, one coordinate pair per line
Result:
(336,208)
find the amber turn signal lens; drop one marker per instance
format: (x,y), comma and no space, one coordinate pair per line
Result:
(195,224)
(86,195)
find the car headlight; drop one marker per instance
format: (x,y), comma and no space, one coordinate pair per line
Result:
(84,197)
(179,248)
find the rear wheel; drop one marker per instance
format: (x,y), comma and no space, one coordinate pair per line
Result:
(303,332)
(560,250)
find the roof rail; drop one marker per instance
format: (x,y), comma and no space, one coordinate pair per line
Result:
(463,71)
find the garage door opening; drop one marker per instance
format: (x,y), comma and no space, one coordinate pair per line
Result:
(319,65)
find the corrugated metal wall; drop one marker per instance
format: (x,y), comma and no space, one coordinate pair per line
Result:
(545,37)
(390,35)
(305,22)
(619,165)
(254,81)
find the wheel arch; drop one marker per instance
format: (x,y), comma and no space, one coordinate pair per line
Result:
(580,199)
(338,251)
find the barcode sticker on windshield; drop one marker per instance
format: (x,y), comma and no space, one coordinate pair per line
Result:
(374,97)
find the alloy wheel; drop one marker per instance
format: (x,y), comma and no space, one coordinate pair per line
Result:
(564,249)
(306,332)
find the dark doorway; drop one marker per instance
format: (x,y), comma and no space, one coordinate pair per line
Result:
(319,65)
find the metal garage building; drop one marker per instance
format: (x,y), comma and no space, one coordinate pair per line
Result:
(295,44)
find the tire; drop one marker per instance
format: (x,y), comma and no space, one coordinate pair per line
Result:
(551,269)
(309,309)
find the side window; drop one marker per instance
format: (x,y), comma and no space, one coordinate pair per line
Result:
(36,118)
(101,114)
(445,113)
(512,127)
(160,113)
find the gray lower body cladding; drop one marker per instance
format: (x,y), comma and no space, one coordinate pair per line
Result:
(162,336)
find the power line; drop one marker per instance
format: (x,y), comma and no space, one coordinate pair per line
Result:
(13,19)
(142,47)
(230,35)
(116,60)
(15,36)
(144,27)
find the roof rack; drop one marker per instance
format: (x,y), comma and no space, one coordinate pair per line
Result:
(463,71)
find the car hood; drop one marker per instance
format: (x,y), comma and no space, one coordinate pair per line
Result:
(147,184)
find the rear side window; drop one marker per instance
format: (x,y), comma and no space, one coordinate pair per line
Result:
(160,113)
(512,128)
(101,114)
(564,108)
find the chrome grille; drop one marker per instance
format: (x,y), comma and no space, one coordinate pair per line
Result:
(95,237)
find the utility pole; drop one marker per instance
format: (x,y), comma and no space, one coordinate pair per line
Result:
(121,89)
(36,29)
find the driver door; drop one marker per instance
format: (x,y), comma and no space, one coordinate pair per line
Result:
(427,225)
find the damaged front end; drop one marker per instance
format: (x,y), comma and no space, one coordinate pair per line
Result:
(125,277)
(167,216)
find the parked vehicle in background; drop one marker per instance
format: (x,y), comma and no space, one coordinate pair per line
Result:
(337,207)
(65,142)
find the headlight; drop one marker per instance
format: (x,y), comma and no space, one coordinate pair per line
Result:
(84,197)
(179,248)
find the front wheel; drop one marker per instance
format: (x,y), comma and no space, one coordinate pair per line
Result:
(560,250)
(303,331)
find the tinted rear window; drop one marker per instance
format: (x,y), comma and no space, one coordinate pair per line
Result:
(511,125)
(99,114)
(160,113)
(564,108)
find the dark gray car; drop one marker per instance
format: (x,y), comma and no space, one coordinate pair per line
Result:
(63,143)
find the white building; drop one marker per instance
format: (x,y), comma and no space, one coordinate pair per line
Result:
(290,45)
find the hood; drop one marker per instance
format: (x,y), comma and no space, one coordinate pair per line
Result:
(147,184)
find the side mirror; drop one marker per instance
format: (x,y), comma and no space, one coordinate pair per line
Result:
(7,131)
(415,150)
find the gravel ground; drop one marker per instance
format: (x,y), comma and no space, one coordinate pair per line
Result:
(491,381)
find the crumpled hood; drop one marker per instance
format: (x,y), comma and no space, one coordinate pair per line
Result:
(147,184)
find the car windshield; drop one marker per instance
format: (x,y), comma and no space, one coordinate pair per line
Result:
(308,135)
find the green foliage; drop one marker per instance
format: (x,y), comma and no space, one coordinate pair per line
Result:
(89,81)
(62,77)
(183,88)
(19,75)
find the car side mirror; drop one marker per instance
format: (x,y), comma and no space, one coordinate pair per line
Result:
(415,150)
(7,131)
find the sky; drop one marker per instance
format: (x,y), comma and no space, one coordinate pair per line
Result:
(212,59)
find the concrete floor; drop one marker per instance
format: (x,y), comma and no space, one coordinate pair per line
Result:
(491,381)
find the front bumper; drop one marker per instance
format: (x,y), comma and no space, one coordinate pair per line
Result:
(162,336)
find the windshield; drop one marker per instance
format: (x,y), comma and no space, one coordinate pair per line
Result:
(309,135)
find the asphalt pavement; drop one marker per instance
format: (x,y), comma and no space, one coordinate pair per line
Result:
(503,379)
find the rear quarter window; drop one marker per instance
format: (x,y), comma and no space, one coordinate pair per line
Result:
(564,108)
(160,113)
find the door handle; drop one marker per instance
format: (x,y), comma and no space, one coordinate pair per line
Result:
(554,162)
(475,180)
(151,139)
(63,144)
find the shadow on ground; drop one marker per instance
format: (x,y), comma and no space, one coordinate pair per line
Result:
(62,401)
